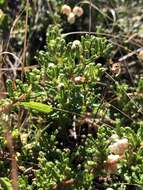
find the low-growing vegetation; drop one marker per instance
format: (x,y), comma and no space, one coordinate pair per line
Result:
(71,95)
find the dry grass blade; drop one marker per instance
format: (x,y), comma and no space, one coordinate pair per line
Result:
(90,16)
(13,66)
(96,8)
(2,85)
(12,28)
(23,58)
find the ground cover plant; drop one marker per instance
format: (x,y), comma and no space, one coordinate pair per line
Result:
(71,95)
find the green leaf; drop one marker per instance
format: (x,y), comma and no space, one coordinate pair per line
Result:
(37,106)
(2,2)
(5,182)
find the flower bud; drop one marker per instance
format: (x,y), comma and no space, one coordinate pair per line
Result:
(71,18)
(66,9)
(78,11)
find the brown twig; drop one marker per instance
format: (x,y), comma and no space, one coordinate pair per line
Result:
(90,16)
(63,184)
(14,174)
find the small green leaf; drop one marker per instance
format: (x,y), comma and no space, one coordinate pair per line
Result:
(2,2)
(5,183)
(37,106)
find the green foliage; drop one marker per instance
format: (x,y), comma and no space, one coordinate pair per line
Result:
(5,183)
(67,84)
(62,113)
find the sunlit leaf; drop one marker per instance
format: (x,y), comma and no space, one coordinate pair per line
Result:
(5,183)
(37,106)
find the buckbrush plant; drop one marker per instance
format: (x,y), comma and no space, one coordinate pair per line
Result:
(73,123)
(67,85)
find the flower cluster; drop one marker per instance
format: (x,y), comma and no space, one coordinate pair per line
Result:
(71,14)
(117,149)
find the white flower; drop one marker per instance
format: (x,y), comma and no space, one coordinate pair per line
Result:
(24,137)
(119,147)
(79,79)
(114,137)
(109,188)
(76,43)
(51,65)
(60,86)
(78,11)
(66,9)
(71,18)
